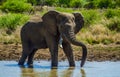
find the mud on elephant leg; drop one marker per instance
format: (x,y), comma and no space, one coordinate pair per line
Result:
(69,53)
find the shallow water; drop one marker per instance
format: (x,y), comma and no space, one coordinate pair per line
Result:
(43,69)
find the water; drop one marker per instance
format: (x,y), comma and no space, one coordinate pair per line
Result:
(43,69)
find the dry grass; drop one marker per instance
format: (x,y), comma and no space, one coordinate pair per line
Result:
(97,34)
(12,38)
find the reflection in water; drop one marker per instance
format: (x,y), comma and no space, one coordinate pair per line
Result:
(68,72)
(83,73)
(53,73)
(28,72)
(43,69)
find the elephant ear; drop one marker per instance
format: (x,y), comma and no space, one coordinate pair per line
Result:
(79,21)
(50,21)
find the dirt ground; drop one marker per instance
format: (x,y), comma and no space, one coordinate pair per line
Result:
(95,53)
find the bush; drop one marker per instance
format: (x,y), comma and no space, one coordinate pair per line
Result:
(33,2)
(90,16)
(64,3)
(76,3)
(110,13)
(16,6)
(117,3)
(50,2)
(105,4)
(2,1)
(11,21)
(90,5)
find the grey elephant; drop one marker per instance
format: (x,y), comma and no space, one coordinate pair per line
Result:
(47,33)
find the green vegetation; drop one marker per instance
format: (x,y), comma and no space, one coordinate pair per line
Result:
(102,18)
(16,6)
(110,13)
(89,4)
(11,21)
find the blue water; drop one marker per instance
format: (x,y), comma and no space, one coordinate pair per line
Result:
(43,69)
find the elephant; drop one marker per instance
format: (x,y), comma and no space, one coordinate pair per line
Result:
(47,32)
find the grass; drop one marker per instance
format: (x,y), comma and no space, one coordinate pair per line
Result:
(98,34)
(10,38)
(10,25)
(101,26)
(11,21)
(114,24)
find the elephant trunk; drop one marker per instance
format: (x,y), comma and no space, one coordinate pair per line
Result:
(70,36)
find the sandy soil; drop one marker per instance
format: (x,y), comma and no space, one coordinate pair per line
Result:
(95,53)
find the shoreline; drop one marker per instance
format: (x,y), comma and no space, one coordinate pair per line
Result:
(95,53)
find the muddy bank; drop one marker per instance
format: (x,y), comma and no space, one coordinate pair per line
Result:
(95,53)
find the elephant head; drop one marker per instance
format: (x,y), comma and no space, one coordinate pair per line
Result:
(67,25)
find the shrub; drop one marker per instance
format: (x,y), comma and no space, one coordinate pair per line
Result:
(50,2)
(117,3)
(16,6)
(33,2)
(64,3)
(76,3)
(2,1)
(90,16)
(11,21)
(105,4)
(110,13)
(90,5)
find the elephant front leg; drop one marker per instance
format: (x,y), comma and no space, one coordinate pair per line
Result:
(53,48)
(69,53)
(54,57)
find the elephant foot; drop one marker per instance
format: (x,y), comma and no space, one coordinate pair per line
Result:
(30,66)
(30,63)
(72,64)
(20,63)
(54,65)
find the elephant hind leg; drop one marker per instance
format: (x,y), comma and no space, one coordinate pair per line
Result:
(26,51)
(30,57)
(22,59)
